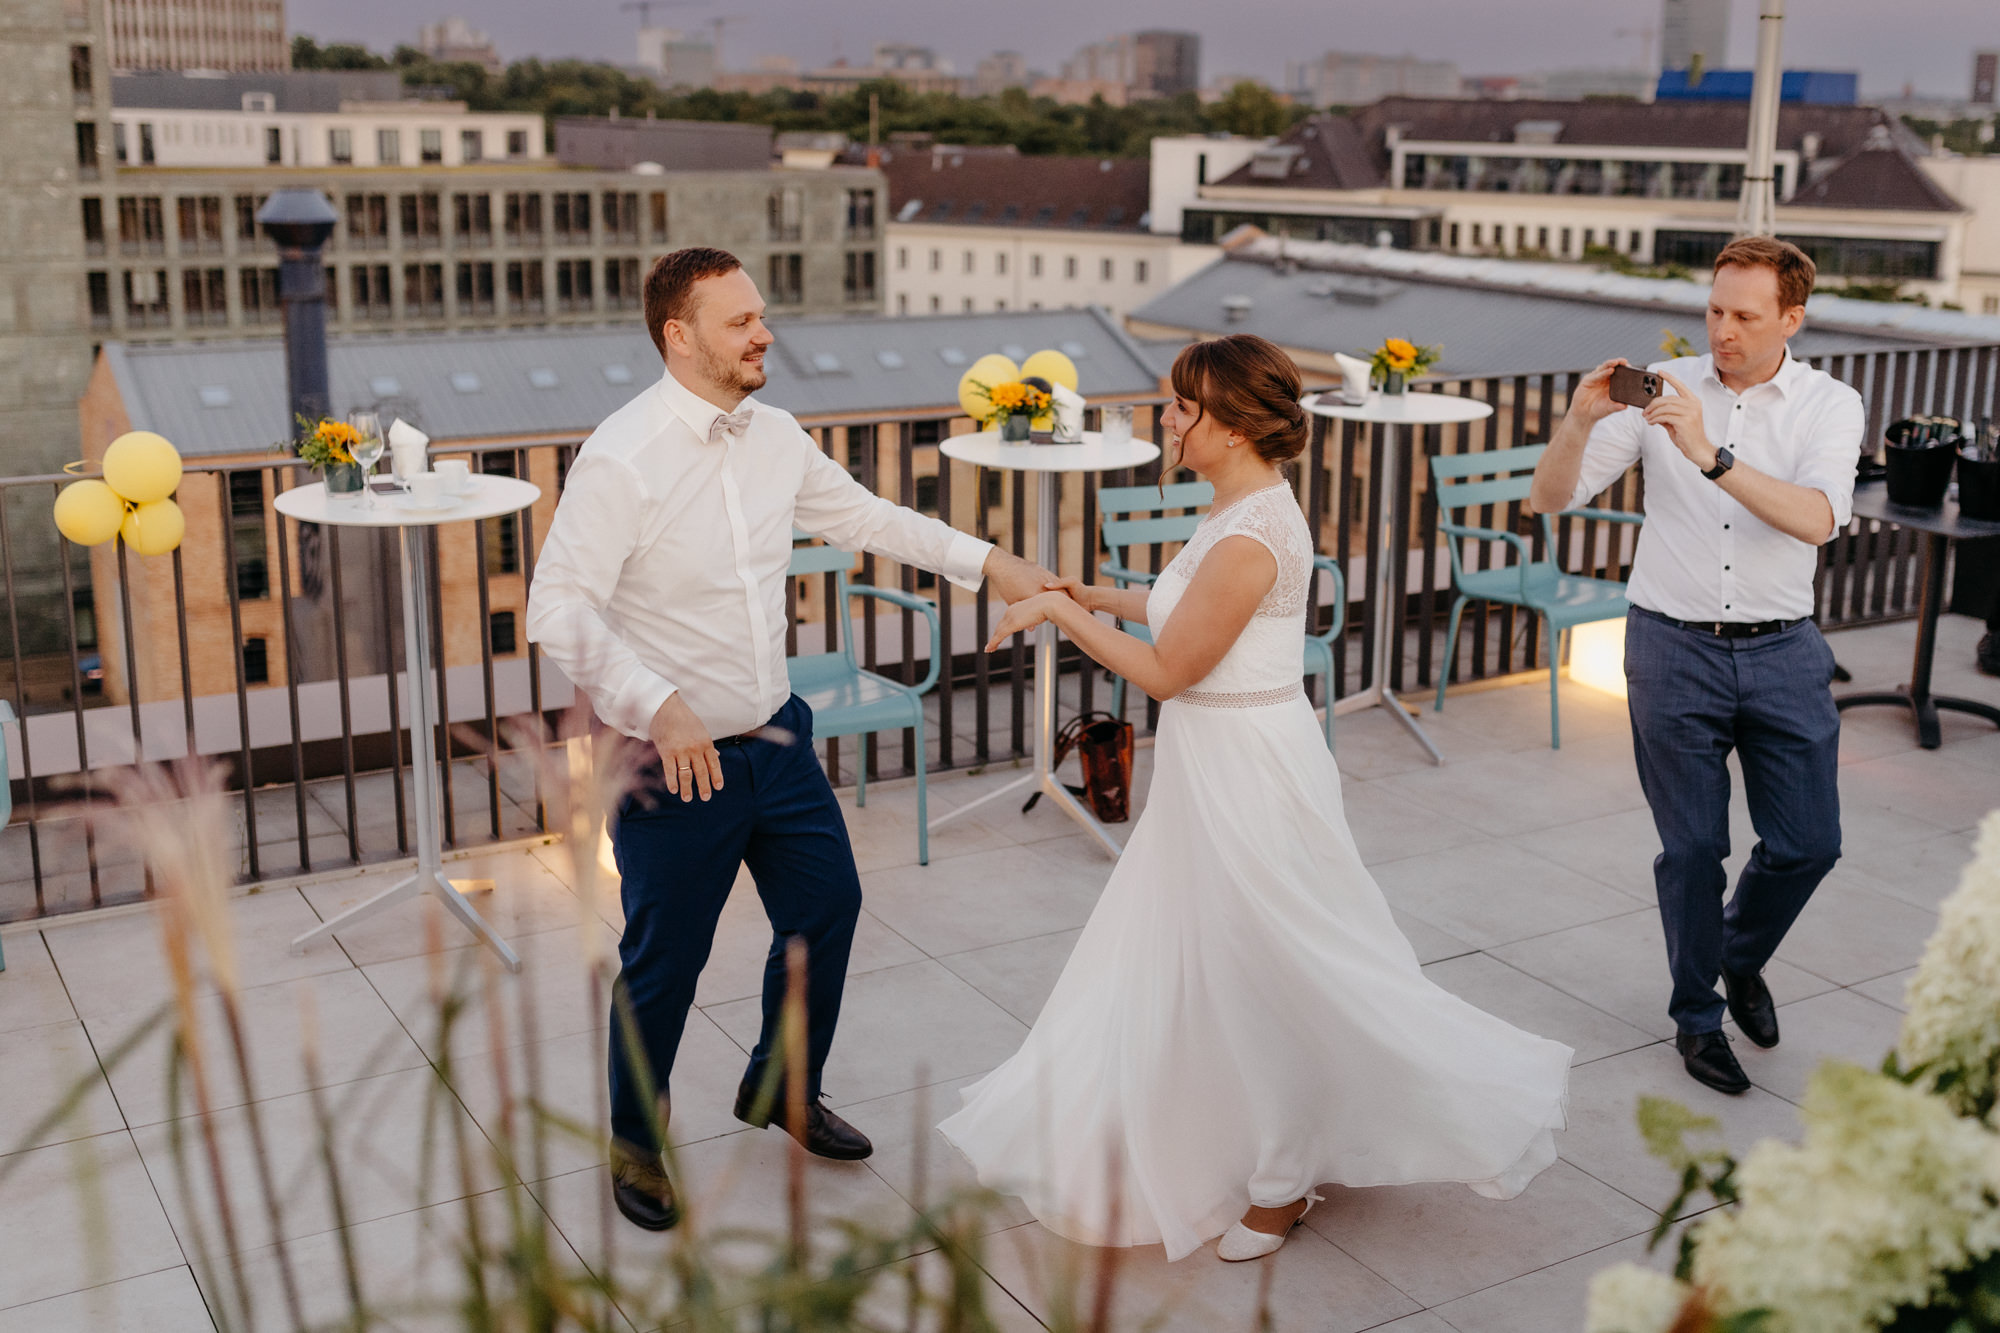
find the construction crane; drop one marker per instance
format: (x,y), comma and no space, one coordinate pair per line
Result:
(646,8)
(715,26)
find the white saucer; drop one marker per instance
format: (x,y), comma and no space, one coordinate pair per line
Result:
(409,502)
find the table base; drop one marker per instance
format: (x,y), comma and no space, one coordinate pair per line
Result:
(431,881)
(1381,696)
(1050,786)
(1924,708)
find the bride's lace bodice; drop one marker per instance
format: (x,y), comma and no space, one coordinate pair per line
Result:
(1266,663)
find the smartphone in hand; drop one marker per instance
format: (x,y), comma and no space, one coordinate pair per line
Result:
(1632,386)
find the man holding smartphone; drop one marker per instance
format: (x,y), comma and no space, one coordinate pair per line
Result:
(1749,461)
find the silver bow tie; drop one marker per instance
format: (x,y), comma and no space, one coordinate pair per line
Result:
(729,424)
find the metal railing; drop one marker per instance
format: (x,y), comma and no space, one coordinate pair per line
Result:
(318,749)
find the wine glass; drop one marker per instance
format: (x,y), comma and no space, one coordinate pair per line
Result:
(368,445)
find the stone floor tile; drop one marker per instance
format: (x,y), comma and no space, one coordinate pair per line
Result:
(1508,993)
(525,899)
(1848,933)
(43,1067)
(1504,794)
(886,1303)
(95,1220)
(557,985)
(1493,892)
(1888,990)
(1841,1024)
(1922,873)
(736,960)
(1019,975)
(986,898)
(32,993)
(1431,943)
(899,1123)
(1548,1298)
(1929,785)
(1440,1242)
(1423,1321)
(1388,828)
(164,1302)
(900,1028)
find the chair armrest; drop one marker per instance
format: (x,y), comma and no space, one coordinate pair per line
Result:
(1333,631)
(1607,515)
(1123,576)
(1513,539)
(910,602)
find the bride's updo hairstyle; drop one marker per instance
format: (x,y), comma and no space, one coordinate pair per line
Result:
(1251,387)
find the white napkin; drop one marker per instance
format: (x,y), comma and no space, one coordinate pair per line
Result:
(402,432)
(1068,414)
(1353,373)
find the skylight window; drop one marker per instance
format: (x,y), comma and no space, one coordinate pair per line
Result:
(889,358)
(385,386)
(615,373)
(1046,214)
(1073,349)
(216,395)
(909,211)
(465,381)
(1014,352)
(1011,213)
(940,208)
(541,377)
(1079,216)
(826,363)
(951,356)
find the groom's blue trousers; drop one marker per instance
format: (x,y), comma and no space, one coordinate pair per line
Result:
(1694,698)
(678,859)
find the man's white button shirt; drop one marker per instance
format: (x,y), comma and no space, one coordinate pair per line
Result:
(665,567)
(1702,555)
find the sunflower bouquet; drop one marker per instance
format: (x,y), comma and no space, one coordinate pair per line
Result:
(327,443)
(1016,398)
(1398,361)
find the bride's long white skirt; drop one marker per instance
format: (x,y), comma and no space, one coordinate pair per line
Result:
(1242,1019)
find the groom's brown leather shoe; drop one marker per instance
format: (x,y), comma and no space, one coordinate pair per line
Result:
(825,1134)
(641,1189)
(1750,1004)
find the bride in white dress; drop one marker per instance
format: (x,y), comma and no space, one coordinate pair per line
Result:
(1241,1019)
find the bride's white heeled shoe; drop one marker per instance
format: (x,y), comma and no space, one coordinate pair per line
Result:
(1240,1242)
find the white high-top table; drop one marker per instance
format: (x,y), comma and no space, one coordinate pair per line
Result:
(1391,411)
(486,497)
(987,449)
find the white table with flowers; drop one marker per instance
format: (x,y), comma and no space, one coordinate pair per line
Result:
(485,496)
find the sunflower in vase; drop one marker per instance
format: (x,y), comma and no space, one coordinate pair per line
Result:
(1016,405)
(1398,362)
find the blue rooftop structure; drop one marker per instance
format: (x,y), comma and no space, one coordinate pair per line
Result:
(1814,86)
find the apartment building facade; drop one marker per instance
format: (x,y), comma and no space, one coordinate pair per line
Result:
(198,34)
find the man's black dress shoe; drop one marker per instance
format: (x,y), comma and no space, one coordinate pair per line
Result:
(1709,1061)
(1988,655)
(642,1192)
(826,1134)
(1750,1004)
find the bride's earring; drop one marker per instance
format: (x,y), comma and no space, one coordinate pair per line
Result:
(1233,442)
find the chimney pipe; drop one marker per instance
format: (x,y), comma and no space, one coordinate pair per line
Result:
(1756,213)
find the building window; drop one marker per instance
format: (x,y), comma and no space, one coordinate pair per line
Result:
(968,305)
(205,296)
(524,219)
(573,286)
(472,218)
(274,145)
(247,232)
(1000,263)
(903,302)
(1542,239)
(1565,240)
(79,74)
(371,291)
(1988,305)
(786,210)
(572,218)
(971,264)
(1453,244)
(332,280)
(1069,266)
(621,284)
(517,143)
(368,221)
(503,536)
(142,227)
(247,535)
(500,629)
(93,226)
(1034,266)
(475,289)
(260,294)
(471,145)
(118,141)
(340,147)
(389,148)
(200,220)
(787,285)
(146,156)
(1477,236)
(423,290)
(146,298)
(1141,271)
(256,662)
(859,279)
(902,258)
(524,287)
(936,304)
(86,149)
(657,205)
(99,286)
(1105,269)
(621,217)
(937,259)
(1636,244)
(422,220)
(861,215)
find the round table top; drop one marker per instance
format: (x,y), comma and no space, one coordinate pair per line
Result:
(1095,454)
(1405,409)
(488,496)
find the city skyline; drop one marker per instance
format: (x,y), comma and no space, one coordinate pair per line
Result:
(1933,57)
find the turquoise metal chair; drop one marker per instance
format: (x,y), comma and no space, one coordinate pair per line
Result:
(6,792)
(1563,600)
(846,699)
(1117,503)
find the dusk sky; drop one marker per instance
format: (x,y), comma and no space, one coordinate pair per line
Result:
(1925,43)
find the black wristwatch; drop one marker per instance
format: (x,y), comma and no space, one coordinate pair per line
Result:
(1724,460)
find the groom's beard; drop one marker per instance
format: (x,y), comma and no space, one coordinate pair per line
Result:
(734,374)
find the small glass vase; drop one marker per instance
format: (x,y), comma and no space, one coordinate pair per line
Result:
(1393,384)
(344,482)
(1015,428)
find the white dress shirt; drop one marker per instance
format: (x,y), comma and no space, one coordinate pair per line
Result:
(1701,554)
(664,570)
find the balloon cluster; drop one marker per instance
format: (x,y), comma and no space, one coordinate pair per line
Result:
(132,499)
(1047,366)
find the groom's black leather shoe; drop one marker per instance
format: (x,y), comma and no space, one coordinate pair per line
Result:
(1750,1004)
(642,1191)
(825,1134)
(1709,1061)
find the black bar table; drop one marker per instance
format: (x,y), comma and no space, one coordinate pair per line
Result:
(1940,527)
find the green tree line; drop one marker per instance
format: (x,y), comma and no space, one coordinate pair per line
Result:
(1033,124)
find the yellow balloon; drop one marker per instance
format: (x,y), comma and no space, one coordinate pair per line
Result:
(154,528)
(142,466)
(988,370)
(89,512)
(1052,366)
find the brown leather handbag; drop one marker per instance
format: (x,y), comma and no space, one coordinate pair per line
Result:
(1105,745)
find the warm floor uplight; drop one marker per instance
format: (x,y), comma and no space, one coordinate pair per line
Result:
(1597,656)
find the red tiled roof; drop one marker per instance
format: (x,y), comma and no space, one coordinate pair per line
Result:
(977,186)
(1876,178)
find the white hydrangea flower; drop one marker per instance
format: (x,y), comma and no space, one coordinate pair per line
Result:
(1889,1191)
(1626,1298)
(1953,1025)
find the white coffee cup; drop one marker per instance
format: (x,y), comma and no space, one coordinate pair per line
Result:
(426,489)
(457,475)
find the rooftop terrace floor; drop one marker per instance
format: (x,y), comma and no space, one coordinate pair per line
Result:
(1522,876)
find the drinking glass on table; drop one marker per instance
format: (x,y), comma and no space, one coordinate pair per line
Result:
(368,445)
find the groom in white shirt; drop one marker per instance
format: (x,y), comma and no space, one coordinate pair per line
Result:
(661,593)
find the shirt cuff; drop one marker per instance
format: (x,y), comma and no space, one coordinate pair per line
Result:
(965,561)
(641,702)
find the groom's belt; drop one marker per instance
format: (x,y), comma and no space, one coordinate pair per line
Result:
(1727,629)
